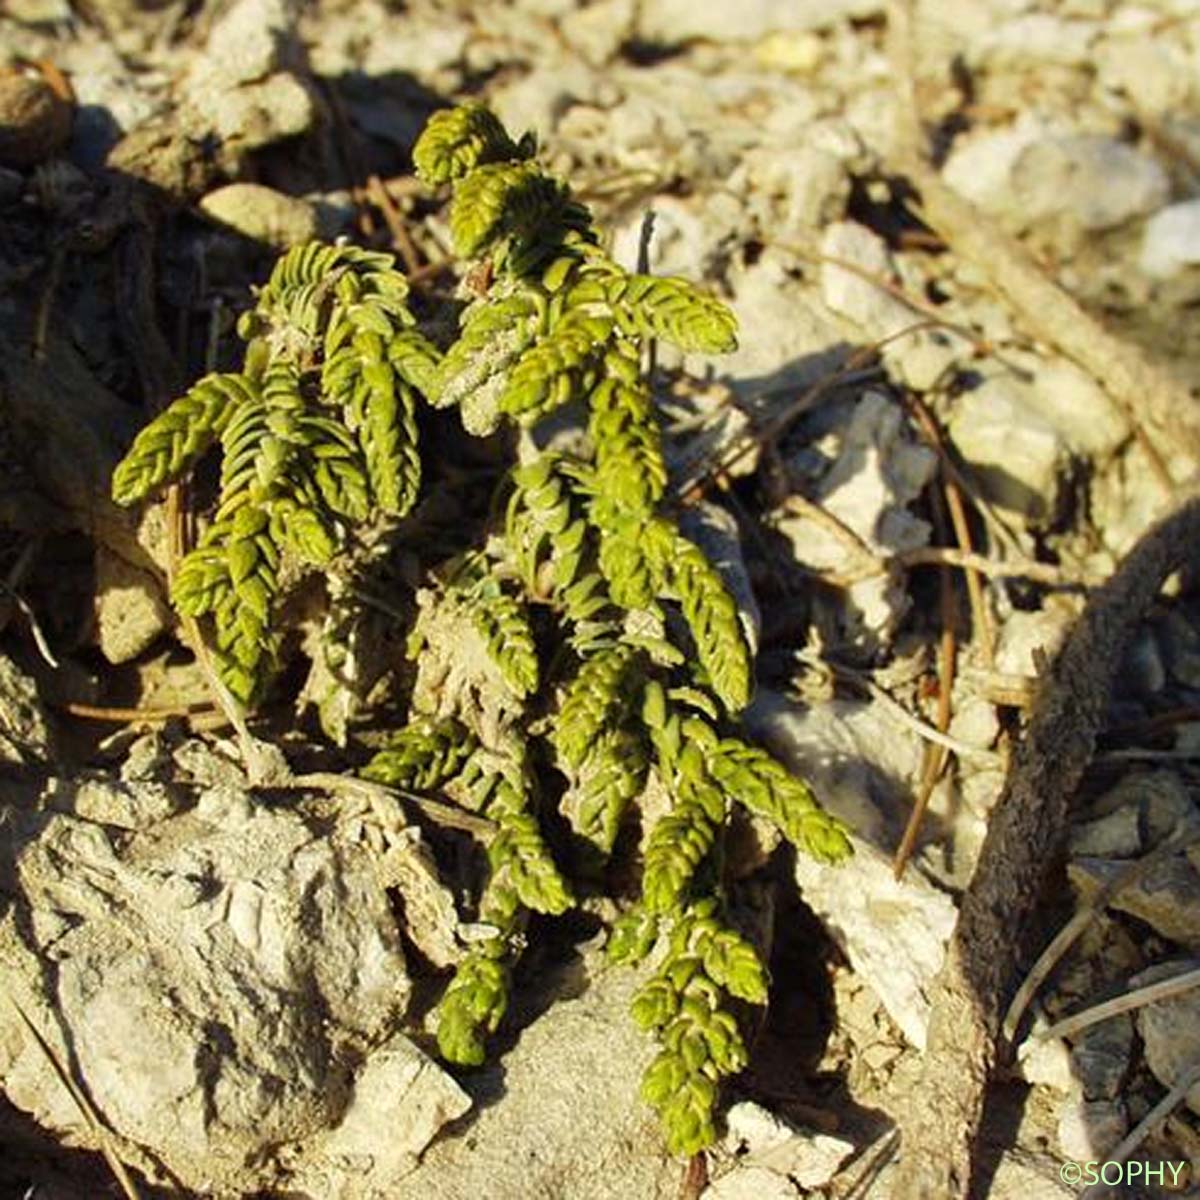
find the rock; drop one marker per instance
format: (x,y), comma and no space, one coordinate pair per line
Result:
(795,341)
(1151,70)
(751,1183)
(1096,181)
(537,100)
(894,934)
(918,359)
(1036,38)
(223,977)
(1046,1061)
(569,1123)
(1032,174)
(975,722)
(1166,897)
(1101,1057)
(354,1162)
(598,30)
(878,469)
(132,805)
(258,114)
(1089,1129)
(805,186)
(1027,636)
(1170,1029)
(981,162)
(870,307)
(798,53)
(131,611)
(1117,835)
(262,213)
(673,21)
(769,1146)
(25,730)
(1166,806)
(1015,454)
(251,40)
(1078,408)
(35,121)
(245,89)
(1137,813)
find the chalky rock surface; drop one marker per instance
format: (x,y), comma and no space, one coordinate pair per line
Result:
(217,981)
(568,1121)
(893,933)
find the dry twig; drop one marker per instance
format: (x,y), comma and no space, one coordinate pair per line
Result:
(1162,989)
(1024,839)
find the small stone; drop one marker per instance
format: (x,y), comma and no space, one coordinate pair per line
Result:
(132,805)
(25,732)
(1080,410)
(878,470)
(131,611)
(398,1079)
(894,934)
(1027,636)
(1089,1129)
(1095,181)
(259,114)
(35,121)
(1036,38)
(262,213)
(1170,1029)
(798,53)
(1167,808)
(751,1183)
(1101,1056)
(1033,173)
(1166,897)
(806,187)
(674,21)
(1151,69)
(769,1144)
(1014,452)
(795,338)
(597,31)
(754,1129)
(1047,1061)
(248,42)
(847,293)
(1117,835)
(975,722)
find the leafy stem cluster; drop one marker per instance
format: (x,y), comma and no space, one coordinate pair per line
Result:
(587,657)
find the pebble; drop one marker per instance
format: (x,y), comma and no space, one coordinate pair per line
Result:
(35,121)
(262,213)
(1015,454)
(674,21)
(1170,1029)
(1089,1129)
(1166,897)
(1034,173)
(1101,1055)
(130,609)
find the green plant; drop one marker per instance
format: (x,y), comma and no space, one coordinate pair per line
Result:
(587,654)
